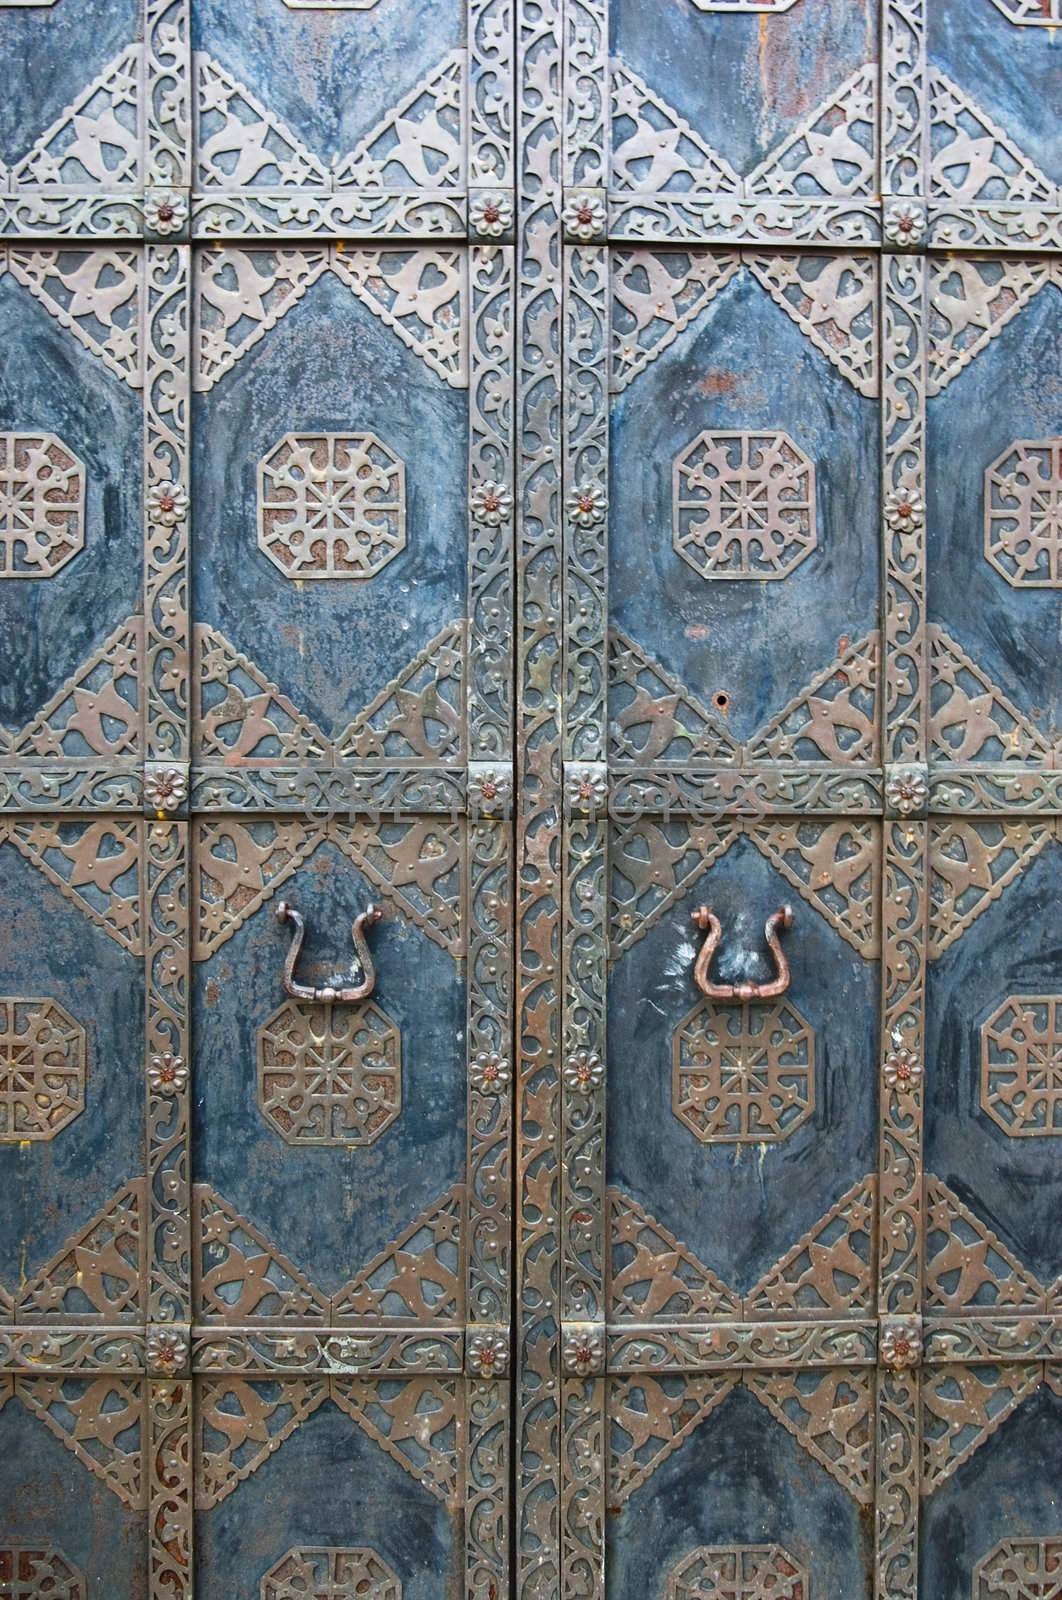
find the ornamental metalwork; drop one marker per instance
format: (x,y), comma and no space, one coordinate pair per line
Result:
(738,1572)
(42,1069)
(1021,1066)
(329,1074)
(33,1571)
(330,1573)
(331,505)
(743,505)
(1023,514)
(743,1074)
(773,6)
(42,505)
(1021,1569)
(1031,13)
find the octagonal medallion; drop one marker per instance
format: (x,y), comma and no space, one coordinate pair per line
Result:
(329,1074)
(1023,514)
(738,1572)
(42,505)
(1021,1066)
(743,1074)
(1030,13)
(331,505)
(743,505)
(328,1572)
(39,1572)
(42,1069)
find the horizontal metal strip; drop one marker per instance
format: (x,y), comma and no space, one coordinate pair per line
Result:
(58,786)
(675,1347)
(360,1350)
(647,219)
(62,1348)
(992,1339)
(750,791)
(331,791)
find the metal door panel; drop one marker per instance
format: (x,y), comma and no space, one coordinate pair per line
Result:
(992,1525)
(72,565)
(739,1180)
(332,1503)
(993,414)
(81,1533)
(379,1151)
(994,72)
(769,72)
(71,1137)
(748,390)
(775,1514)
(332,644)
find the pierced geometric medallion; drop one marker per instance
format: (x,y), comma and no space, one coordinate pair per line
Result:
(28,1571)
(738,1572)
(775,6)
(42,1069)
(331,5)
(331,505)
(1023,514)
(329,1074)
(1021,1066)
(42,505)
(330,1573)
(744,505)
(1021,1569)
(743,1074)
(1032,14)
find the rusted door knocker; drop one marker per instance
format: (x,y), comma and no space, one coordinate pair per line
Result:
(306,991)
(705,919)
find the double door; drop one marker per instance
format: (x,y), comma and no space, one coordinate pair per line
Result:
(530,1010)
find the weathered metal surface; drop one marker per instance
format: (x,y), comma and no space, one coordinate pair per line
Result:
(471,458)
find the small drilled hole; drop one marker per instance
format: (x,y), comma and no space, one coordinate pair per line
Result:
(721,700)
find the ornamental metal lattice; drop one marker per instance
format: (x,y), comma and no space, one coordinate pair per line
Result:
(1029,13)
(743,1074)
(1021,1066)
(42,505)
(1023,514)
(743,505)
(42,1070)
(329,1074)
(1021,1569)
(31,1572)
(738,1572)
(330,1573)
(331,505)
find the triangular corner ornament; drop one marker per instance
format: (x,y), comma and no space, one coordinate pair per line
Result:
(830,1271)
(419,715)
(654,863)
(240,716)
(831,155)
(834,719)
(655,295)
(653,1274)
(972,861)
(970,303)
(973,162)
(95,293)
(971,719)
(650,1417)
(417,1278)
(962,1406)
(100,1418)
(832,299)
(831,1413)
(418,1421)
(97,1275)
(242,1277)
(241,144)
(239,296)
(415,863)
(968,1269)
(240,1423)
(655,151)
(834,865)
(420,294)
(236,866)
(95,141)
(95,713)
(653,719)
(95,865)
(418,145)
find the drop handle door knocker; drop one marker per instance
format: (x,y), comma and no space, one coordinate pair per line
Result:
(705,919)
(307,991)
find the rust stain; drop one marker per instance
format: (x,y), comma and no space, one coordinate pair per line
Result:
(697,630)
(213,992)
(714,383)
